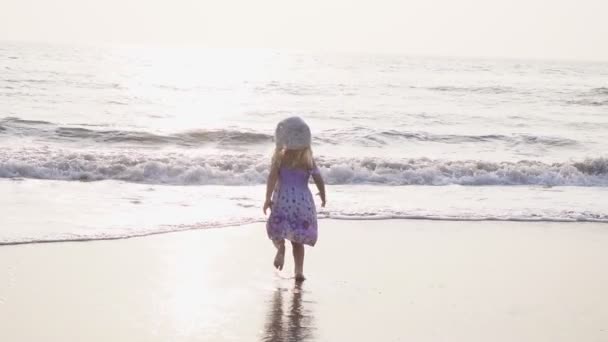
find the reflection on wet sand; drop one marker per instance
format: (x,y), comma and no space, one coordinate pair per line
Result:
(293,324)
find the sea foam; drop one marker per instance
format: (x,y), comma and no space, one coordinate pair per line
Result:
(249,169)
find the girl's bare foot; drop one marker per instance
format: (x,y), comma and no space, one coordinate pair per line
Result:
(300,277)
(279,258)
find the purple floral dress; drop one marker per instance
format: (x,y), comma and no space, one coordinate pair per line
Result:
(293,214)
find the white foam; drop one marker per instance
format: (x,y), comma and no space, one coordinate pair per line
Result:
(249,169)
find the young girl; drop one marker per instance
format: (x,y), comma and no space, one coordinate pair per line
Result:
(292,209)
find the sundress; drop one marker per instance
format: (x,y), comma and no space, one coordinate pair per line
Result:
(293,214)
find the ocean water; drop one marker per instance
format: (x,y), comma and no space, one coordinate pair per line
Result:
(101,142)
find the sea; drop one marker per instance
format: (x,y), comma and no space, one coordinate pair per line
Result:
(102,142)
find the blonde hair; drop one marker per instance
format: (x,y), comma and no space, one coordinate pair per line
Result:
(300,159)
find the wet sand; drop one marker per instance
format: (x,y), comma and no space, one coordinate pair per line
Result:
(374,280)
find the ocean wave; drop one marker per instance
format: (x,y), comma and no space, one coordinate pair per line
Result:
(591,172)
(456,138)
(378,137)
(198,137)
(248,169)
(16,120)
(362,136)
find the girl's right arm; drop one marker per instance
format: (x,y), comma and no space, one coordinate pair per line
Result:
(273,177)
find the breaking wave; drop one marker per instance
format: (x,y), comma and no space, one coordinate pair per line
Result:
(249,169)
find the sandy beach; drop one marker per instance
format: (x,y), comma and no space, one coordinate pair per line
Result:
(385,281)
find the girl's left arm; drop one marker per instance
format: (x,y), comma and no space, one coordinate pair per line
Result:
(318,179)
(273,177)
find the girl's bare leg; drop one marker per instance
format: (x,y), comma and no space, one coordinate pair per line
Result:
(279,258)
(298,259)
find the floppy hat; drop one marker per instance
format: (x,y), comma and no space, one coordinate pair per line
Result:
(292,133)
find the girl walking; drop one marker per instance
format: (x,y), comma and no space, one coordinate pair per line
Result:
(293,215)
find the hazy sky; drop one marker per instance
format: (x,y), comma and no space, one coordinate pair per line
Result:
(507,28)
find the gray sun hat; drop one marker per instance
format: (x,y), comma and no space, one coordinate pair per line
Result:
(292,133)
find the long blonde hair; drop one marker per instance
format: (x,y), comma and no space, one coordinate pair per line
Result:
(300,159)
